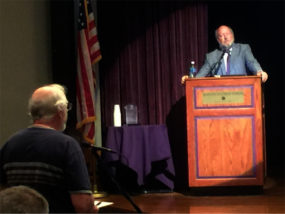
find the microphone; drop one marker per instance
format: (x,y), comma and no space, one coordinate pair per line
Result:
(226,49)
(100,148)
(215,67)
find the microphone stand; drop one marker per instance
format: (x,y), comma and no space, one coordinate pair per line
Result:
(92,167)
(121,190)
(215,65)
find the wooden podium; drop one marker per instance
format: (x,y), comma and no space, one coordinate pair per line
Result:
(225,131)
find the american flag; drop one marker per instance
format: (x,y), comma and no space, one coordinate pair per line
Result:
(88,54)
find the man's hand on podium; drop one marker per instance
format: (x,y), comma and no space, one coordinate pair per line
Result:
(185,77)
(263,74)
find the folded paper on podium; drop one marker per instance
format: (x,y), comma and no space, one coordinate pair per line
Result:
(225,131)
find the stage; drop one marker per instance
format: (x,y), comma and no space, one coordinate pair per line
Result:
(272,200)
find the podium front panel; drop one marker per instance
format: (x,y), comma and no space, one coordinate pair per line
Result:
(224,131)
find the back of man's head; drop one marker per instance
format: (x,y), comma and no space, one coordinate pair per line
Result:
(22,199)
(45,101)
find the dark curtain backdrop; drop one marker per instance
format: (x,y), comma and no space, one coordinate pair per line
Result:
(146,48)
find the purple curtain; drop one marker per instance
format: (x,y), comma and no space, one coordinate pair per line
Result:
(146,48)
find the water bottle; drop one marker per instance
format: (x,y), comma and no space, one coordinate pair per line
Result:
(117,116)
(192,70)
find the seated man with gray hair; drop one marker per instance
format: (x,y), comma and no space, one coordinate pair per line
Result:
(44,158)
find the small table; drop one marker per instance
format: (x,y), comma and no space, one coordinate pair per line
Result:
(139,147)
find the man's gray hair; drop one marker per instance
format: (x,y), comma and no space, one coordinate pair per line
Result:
(52,99)
(22,199)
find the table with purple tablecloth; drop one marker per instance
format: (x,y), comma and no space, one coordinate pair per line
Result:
(139,147)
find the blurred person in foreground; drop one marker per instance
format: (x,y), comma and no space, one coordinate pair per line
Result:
(230,58)
(47,160)
(22,199)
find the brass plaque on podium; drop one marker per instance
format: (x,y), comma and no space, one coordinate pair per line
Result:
(206,97)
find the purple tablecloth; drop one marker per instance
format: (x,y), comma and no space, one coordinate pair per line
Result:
(138,147)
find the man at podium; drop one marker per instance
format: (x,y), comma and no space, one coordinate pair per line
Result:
(230,58)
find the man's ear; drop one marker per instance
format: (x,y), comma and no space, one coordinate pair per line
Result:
(60,113)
